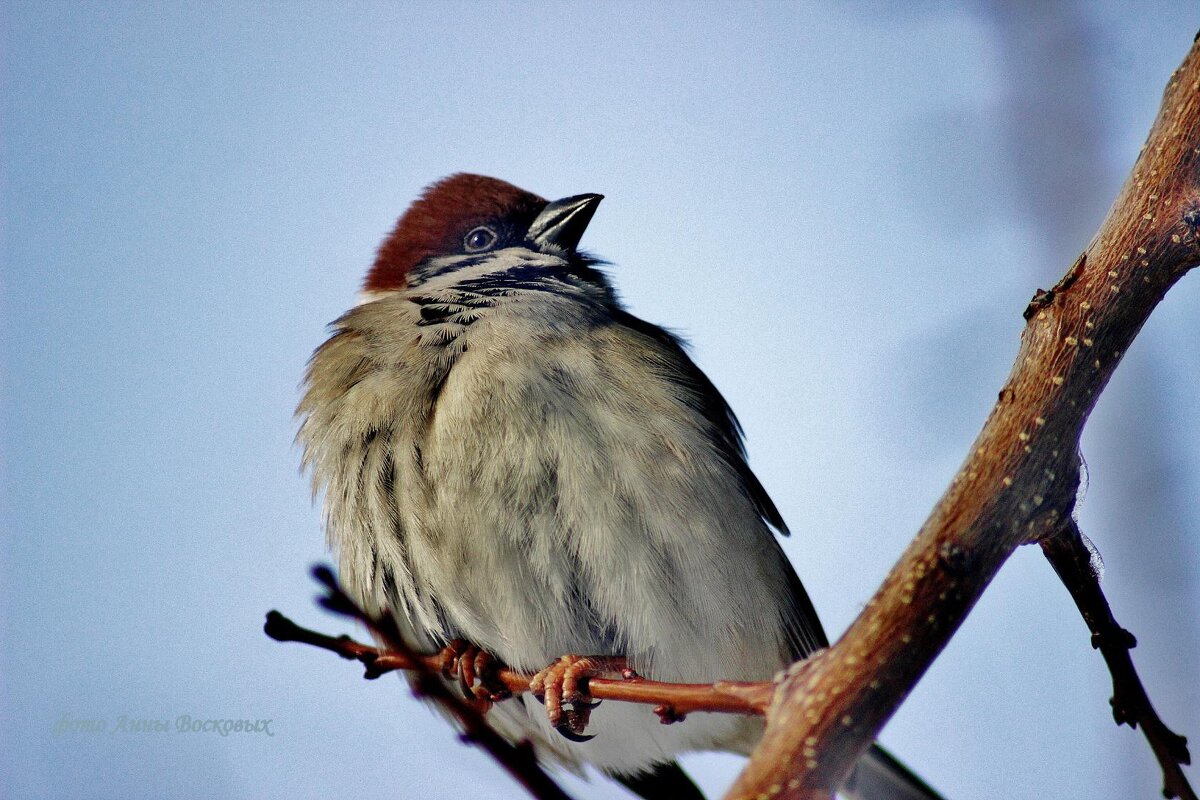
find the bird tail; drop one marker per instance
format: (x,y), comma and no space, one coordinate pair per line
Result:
(663,782)
(879,776)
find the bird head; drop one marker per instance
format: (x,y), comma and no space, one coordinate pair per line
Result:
(467,216)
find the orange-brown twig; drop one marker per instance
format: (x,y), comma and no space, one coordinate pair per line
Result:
(677,699)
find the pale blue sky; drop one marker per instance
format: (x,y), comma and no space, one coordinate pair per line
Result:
(844,207)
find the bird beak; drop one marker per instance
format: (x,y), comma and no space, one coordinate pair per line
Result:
(562,223)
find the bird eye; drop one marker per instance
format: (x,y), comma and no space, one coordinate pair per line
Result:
(479,239)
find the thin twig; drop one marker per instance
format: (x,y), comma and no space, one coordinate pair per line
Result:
(677,699)
(1071,559)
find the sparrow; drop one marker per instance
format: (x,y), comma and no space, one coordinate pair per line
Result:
(518,469)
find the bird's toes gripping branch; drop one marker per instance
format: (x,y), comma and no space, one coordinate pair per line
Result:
(562,686)
(477,672)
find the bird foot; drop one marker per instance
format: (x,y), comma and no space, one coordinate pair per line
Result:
(476,670)
(562,686)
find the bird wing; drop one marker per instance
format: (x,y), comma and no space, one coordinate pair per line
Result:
(705,397)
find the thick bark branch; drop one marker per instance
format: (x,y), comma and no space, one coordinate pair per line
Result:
(1017,485)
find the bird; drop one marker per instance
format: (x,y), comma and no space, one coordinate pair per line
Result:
(514,465)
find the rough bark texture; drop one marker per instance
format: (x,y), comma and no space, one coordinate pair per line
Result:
(1019,482)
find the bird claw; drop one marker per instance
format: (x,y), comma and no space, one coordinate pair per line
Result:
(562,688)
(566,730)
(476,672)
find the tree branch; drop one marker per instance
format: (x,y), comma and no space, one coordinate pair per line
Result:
(1019,481)
(674,700)
(1069,555)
